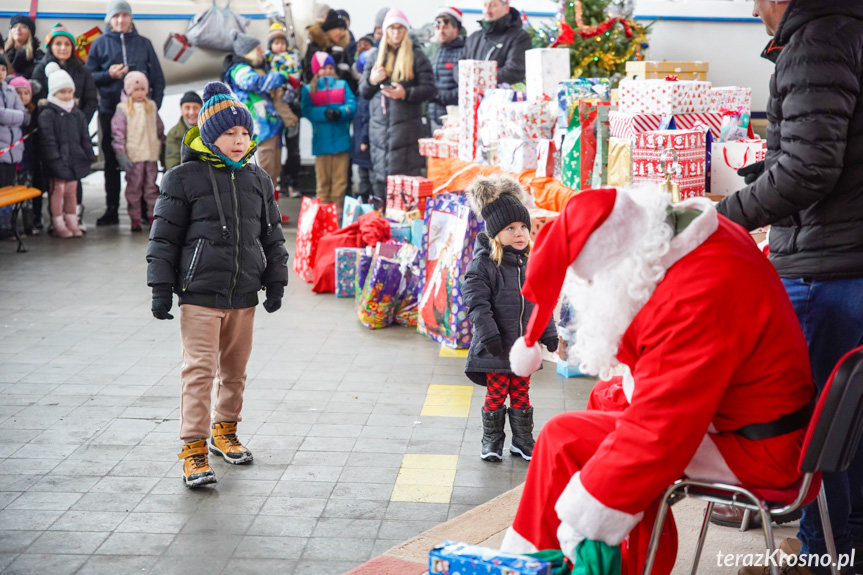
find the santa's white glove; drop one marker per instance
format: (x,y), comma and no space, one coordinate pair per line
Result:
(569,539)
(524,360)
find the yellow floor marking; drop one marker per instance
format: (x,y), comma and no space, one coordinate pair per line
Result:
(447,401)
(425,478)
(449,352)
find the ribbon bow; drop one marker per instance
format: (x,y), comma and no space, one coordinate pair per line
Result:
(671,78)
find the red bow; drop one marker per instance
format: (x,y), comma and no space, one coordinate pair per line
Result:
(565,38)
(671,78)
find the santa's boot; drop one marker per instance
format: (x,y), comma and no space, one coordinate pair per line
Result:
(59,229)
(196,468)
(493,436)
(72,224)
(521,423)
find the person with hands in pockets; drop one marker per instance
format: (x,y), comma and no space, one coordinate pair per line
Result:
(499,313)
(215,241)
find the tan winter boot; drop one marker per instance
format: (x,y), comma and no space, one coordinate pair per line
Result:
(224,442)
(196,468)
(59,228)
(72,224)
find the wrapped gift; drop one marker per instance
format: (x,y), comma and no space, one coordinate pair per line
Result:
(410,287)
(475,77)
(84,41)
(417,232)
(570,92)
(647,69)
(664,97)
(401,232)
(711,120)
(346,270)
(450,558)
(316,220)
(732,98)
(177,48)
(619,162)
(353,209)
(546,156)
(528,120)
(408,192)
(364,263)
(690,173)
(490,115)
(516,156)
(545,69)
(627,126)
(578,151)
(603,133)
(428,147)
(377,302)
(727,158)
(448,248)
(538,219)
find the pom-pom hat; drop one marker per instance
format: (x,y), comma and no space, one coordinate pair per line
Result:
(221,112)
(500,202)
(57,31)
(321,59)
(58,78)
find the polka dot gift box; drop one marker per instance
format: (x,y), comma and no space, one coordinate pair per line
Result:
(669,96)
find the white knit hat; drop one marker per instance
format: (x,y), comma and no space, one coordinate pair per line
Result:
(396,16)
(58,78)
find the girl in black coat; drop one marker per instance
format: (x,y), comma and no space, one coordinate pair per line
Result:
(397,79)
(499,312)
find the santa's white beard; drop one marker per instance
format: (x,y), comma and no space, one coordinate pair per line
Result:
(605,307)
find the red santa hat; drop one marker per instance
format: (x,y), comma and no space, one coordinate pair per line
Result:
(595,230)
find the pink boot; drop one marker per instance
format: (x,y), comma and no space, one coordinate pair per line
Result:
(72,224)
(60,229)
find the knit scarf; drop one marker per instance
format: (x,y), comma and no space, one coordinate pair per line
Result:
(67,105)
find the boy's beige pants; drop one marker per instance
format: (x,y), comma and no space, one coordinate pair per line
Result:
(331,172)
(215,342)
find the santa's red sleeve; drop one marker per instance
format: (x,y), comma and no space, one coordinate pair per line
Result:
(686,358)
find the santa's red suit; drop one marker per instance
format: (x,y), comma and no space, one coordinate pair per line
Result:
(716,347)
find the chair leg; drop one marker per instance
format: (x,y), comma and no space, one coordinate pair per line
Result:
(767,525)
(21,247)
(701,537)
(657,532)
(828,530)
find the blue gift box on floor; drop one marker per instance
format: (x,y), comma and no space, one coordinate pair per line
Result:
(452,558)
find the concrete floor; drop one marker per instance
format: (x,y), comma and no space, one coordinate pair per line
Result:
(89,395)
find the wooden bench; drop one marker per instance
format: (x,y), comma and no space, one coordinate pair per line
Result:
(13,196)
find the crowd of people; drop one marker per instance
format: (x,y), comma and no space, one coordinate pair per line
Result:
(368,100)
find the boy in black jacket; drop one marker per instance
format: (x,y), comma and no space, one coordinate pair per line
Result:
(215,241)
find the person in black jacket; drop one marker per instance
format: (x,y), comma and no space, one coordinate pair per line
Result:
(810,191)
(330,35)
(502,37)
(22,46)
(447,31)
(499,312)
(397,79)
(65,150)
(216,241)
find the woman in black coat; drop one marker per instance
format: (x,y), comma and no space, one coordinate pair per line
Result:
(61,49)
(400,80)
(22,47)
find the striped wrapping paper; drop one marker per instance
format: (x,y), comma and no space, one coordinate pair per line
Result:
(712,120)
(628,126)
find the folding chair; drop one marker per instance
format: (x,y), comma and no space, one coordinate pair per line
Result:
(831,442)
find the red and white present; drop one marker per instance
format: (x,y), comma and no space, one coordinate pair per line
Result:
(516,156)
(475,77)
(529,120)
(546,157)
(691,148)
(727,158)
(668,96)
(434,148)
(711,120)
(316,220)
(408,192)
(628,126)
(177,48)
(732,98)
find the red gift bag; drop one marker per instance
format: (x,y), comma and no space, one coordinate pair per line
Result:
(316,221)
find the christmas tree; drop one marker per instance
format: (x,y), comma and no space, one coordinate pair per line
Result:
(600,34)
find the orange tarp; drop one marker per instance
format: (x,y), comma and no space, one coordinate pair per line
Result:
(453,174)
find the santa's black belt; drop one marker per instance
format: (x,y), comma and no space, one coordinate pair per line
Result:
(786,424)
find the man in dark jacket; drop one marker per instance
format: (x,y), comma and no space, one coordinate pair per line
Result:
(501,38)
(112,55)
(447,31)
(330,35)
(811,194)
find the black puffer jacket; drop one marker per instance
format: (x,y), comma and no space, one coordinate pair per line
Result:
(216,250)
(85,87)
(445,66)
(65,149)
(343,57)
(504,40)
(492,294)
(394,132)
(23,66)
(811,192)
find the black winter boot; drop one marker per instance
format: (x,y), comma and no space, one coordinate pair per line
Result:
(110,217)
(493,435)
(521,422)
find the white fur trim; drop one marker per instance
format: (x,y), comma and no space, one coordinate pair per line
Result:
(614,239)
(628,383)
(569,539)
(590,517)
(695,234)
(709,465)
(513,542)
(524,360)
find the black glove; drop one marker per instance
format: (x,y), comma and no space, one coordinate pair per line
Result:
(493,345)
(751,172)
(550,344)
(162,301)
(333,115)
(275,293)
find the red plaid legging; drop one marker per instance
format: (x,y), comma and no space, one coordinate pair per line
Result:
(499,385)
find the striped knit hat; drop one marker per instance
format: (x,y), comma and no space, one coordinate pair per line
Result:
(277,32)
(221,112)
(57,31)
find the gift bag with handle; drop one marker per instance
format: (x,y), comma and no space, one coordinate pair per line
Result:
(727,158)
(316,220)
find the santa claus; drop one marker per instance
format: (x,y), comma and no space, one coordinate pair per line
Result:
(717,383)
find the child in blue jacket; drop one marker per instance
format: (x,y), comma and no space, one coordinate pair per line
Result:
(329,105)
